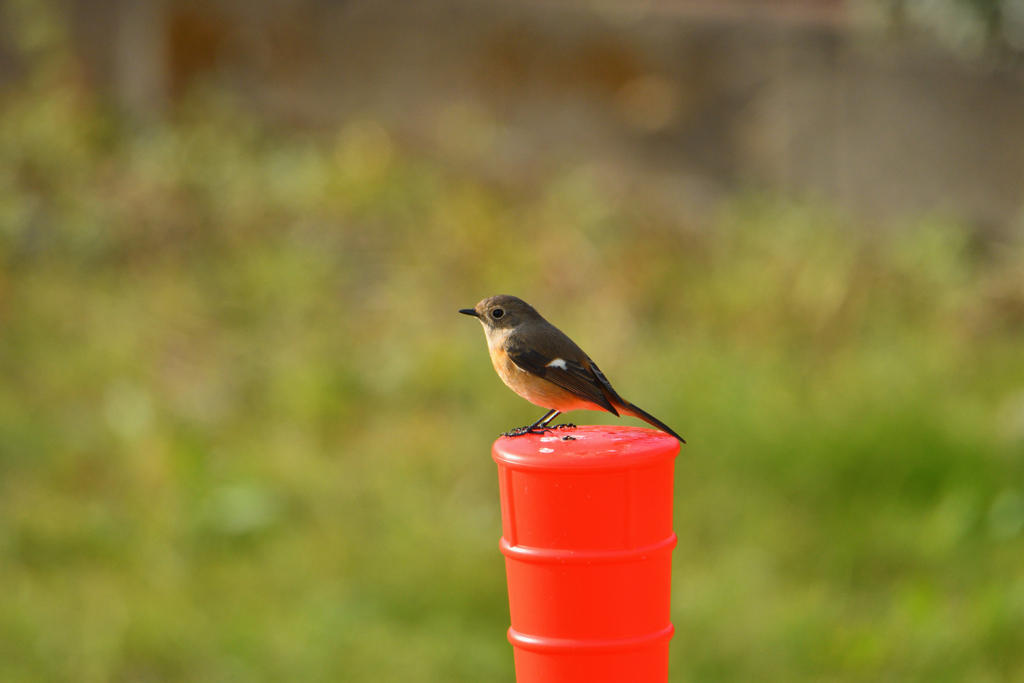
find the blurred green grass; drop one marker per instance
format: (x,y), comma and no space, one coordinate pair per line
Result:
(244,434)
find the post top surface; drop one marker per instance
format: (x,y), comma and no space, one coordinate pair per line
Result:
(591,447)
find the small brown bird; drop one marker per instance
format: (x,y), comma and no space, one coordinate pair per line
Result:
(538,362)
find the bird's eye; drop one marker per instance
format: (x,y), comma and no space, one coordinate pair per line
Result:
(497,313)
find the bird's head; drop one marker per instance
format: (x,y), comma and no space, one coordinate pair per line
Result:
(502,312)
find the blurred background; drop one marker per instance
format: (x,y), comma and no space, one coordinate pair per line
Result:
(244,434)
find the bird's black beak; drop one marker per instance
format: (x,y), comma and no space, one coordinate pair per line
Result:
(469,311)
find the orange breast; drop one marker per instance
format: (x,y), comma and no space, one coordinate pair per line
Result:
(536,390)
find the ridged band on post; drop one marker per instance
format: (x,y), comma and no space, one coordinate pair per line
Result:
(588,542)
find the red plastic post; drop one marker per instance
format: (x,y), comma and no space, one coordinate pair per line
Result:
(587,539)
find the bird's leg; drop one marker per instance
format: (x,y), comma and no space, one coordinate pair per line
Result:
(547,423)
(532,429)
(546,420)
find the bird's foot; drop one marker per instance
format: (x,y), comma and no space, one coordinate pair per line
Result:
(520,431)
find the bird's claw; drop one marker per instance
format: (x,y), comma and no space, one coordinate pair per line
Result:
(520,431)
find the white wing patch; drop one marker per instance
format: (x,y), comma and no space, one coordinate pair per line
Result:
(557,363)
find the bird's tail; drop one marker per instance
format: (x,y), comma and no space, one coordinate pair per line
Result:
(630,409)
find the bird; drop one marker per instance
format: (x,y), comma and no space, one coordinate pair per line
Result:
(540,363)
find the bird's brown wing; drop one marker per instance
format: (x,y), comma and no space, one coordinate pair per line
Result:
(579,378)
(613,396)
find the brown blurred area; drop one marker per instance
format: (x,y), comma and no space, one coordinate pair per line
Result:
(825,97)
